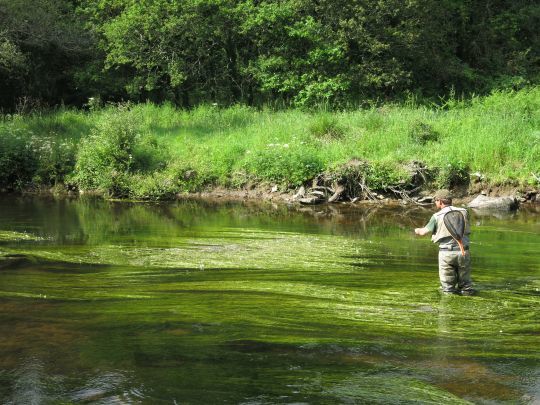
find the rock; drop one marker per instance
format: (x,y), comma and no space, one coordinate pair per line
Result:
(323,189)
(14,261)
(317,193)
(494,203)
(425,200)
(274,189)
(300,194)
(310,200)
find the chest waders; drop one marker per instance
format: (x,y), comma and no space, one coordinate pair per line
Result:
(455,223)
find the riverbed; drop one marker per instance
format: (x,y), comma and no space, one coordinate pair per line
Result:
(244,303)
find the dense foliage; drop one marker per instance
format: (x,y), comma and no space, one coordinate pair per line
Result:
(146,151)
(287,52)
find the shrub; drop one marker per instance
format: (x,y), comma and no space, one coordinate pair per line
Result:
(154,186)
(422,133)
(453,174)
(27,159)
(356,175)
(105,157)
(373,120)
(351,175)
(326,126)
(382,175)
(189,178)
(282,164)
(18,160)
(148,154)
(55,160)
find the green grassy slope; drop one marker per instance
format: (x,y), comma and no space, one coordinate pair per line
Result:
(149,151)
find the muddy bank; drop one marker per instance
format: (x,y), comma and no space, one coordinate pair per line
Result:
(314,194)
(358,181)
(318,195)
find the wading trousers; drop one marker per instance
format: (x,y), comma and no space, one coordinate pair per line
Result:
(455,271)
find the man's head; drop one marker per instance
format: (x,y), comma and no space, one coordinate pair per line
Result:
(442,198)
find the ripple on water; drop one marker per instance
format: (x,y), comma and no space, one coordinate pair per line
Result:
(235,305)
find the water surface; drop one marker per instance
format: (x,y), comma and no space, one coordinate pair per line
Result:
(199,302)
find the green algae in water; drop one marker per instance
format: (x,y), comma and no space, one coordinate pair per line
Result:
(384,389)
(200,302)
(11,236)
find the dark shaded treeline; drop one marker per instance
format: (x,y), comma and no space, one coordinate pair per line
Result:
(289,52)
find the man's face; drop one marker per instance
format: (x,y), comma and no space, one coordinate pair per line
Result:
(438,204)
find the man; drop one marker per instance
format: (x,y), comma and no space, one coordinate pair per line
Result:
(454,266)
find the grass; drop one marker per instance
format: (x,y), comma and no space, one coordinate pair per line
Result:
(170,150)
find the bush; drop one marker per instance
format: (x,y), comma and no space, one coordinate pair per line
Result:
(18,160)
(191,179)
(382,175)
(55,160)
(356,175)
(154,186)
(30,160)
(453,174)
(148,155)
(105,157)
(422,133)
(326,126)
(279,163)
(373,120)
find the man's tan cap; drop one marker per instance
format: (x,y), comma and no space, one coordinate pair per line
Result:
(442,195)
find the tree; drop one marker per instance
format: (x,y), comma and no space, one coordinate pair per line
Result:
(40,44)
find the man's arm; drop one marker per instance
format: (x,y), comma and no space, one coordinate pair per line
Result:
(428,229)
(421,231)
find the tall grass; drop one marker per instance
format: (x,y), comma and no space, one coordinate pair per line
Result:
(178,150)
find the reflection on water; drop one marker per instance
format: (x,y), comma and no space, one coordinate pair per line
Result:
(199,302)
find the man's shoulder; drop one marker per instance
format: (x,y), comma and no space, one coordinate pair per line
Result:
(448,209)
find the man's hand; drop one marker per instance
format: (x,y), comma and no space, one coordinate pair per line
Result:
(421,231)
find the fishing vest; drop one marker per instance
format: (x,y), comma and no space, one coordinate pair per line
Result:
(442,235)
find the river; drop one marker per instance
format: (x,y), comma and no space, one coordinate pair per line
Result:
(203,302)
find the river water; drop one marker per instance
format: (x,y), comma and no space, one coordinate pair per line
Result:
(199,302)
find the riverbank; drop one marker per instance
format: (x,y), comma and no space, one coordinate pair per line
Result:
(148,152)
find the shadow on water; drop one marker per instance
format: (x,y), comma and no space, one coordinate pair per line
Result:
(202,302)
(25,262)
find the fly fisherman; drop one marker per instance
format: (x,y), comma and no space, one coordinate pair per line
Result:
(449,227)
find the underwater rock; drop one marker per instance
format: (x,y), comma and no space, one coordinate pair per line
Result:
(13,261)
